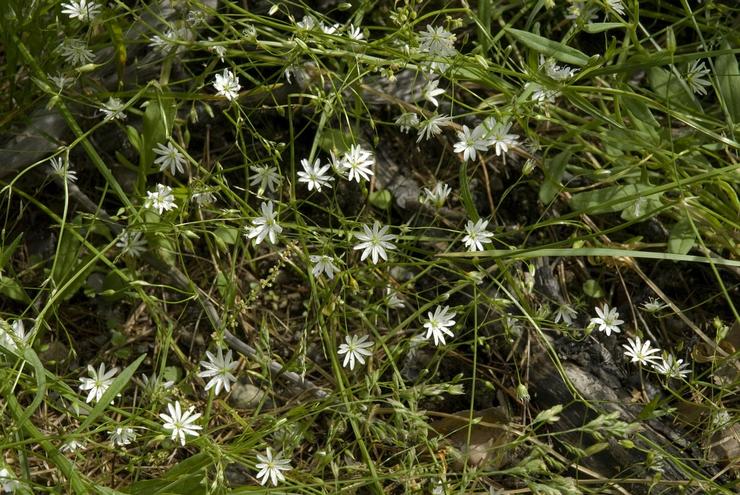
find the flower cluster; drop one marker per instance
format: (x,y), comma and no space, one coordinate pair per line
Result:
(639,351)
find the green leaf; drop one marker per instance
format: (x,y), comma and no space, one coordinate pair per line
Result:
(465,196)
(642,206)
(9,287)
(728,80)
(592,289)
(133,137)
(184,479)
(669,88)
(608,199)
(553,173)
(549,48)
(159,118)
(115,388)
(600,27)
(7,251)
(682,237)
(381,199)
(39,373)
(640,112)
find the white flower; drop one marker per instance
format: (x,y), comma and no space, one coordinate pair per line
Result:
(12,335)
(113,109)
(308,22)
(557,72)
(541,95)
(406,121)
(219,50)
(607,320)
(358,162)
(695,77)
(169,157)
(476,235)
(430,90)
(161,200)
(671,367)
(375,243)
(153,385)
(271,468)
(437,41)
(566,313)
(438,324)
(180,423)
(640,352)
(61,168)
(98,382)
(131,243)
(61,81)
(266,176)
(392,299)
(432,126)
(355,348)
(616,6)
(203,197)
(653,305)
(122,436)
(72,446)
(219,369)
(227,85)
(498,135)
(75,52)
(81,9)
(8,483)
(355,33)
(323,264)
(328,29)
(315,176)
(437,196)
(470,142)
(266,225)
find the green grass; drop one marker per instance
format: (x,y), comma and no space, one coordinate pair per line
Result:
(619,188)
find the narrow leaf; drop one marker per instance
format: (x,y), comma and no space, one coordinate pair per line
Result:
(549,48)
(116,387)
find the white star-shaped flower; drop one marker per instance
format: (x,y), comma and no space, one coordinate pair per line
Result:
(641,352)
(323,264)
(219,369)
(355,348)
(607,319)
(161,200)
(122,436)
(98,382)
(376,241)
(180,423)
(266,176)
(470,142)
(431,126)
(271,468)
(438,324)
(265,225)
(359,163)
(314,175)
(672,367)
(476,235)
(12,335)
(83,10)
(430,91)
(113,109)
(566,313)
(169,157)
(227,85)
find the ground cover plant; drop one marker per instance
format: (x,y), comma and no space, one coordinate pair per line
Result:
(369,247)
